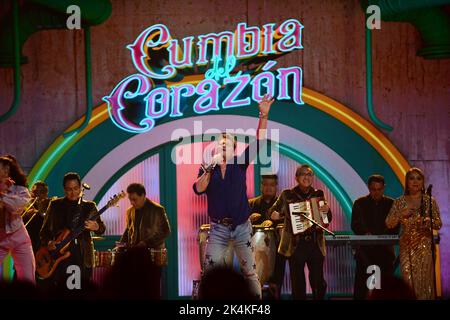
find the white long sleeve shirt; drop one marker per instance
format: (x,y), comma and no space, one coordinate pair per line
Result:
(14,201)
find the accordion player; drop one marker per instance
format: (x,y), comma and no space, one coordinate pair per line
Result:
(310,208)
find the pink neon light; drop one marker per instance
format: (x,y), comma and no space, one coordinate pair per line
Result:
(116,102)
(161,96)
(174,53)
(292,33)
(245,47)
(210,97)
(141,57)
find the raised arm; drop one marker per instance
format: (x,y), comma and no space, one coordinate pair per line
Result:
(261,134)
(264,108)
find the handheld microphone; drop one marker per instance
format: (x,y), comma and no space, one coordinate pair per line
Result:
(429,189)
(216,159)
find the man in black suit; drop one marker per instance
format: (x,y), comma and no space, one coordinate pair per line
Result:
(67,213)
(368,216)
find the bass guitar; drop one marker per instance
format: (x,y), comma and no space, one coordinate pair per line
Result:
(48,260)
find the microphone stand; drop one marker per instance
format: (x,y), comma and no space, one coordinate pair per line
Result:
(80,199)
(433,244)
(317,224)
(79,207)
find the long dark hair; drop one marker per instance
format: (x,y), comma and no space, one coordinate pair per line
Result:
(15,171)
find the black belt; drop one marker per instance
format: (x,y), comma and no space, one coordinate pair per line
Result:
(225,221)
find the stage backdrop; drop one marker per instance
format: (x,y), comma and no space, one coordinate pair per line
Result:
(410,93)
(342,147)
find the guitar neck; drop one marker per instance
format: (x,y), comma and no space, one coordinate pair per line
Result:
(75,233)
(98,214)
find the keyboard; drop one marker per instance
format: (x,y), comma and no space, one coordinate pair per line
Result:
(351,239)
(369,240)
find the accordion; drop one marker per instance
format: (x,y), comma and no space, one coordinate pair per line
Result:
(311,209)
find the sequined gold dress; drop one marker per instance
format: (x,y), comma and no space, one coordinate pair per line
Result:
(415,245)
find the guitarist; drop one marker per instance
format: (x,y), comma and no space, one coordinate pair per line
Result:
(67,213)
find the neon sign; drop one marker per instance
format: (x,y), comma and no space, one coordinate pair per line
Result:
(157,89)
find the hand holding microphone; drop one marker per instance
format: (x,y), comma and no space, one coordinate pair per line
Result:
(216,159)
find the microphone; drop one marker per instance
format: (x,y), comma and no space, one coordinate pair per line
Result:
(216,159)
(86,186)
(429,189)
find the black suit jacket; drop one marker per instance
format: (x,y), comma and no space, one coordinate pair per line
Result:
(57,218)
(369,216)
(154,227)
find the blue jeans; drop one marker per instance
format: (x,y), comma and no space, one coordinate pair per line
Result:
(241,240)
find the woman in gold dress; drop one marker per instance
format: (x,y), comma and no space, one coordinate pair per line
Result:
(412,211)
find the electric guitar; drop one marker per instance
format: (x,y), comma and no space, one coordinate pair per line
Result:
(48,260)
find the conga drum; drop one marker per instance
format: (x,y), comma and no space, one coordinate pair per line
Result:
(118,251)
(159,256)
(103,259)
(264,239)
